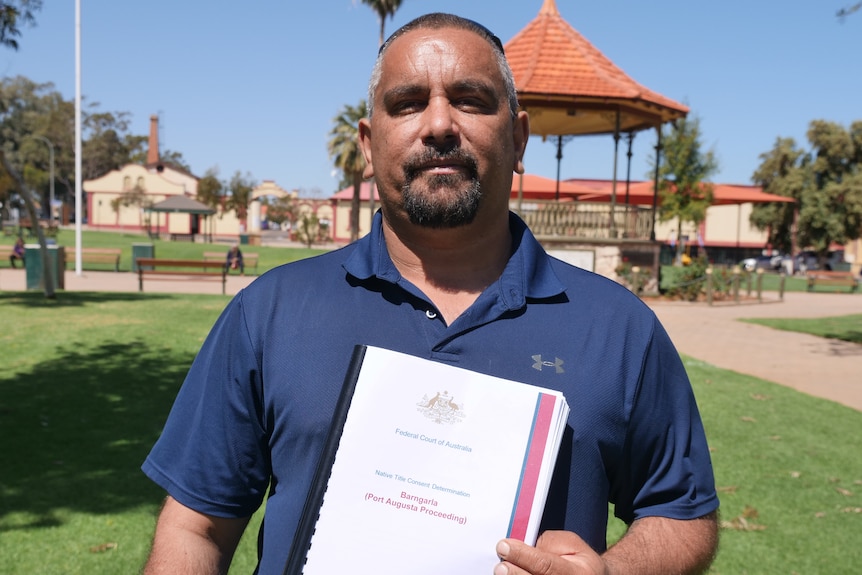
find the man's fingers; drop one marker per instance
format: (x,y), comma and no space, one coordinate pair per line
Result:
(562,543)
(555,553)
(520,555)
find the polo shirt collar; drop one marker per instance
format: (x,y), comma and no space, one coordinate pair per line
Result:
(528,274)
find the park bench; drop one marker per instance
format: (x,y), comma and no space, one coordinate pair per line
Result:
(97,256)
(249,260)
(831,278)
(180,269)
(5,252)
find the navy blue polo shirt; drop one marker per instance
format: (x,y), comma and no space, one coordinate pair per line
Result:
(252,415)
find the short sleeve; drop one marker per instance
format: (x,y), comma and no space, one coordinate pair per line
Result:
(666,469)
(212,455)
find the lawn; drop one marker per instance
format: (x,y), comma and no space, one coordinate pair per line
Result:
(87,380)
(845,328)
(269,256)
(769,282)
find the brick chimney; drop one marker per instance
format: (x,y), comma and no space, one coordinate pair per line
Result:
(153,152)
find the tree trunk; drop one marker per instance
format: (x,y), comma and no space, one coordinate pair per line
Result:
(354,207)
(47,276)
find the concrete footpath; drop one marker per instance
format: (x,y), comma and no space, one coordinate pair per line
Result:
(817,366)
(821,367)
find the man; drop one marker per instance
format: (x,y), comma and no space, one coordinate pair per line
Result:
(233,260)
(447,274)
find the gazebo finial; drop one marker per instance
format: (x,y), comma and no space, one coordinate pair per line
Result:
(549,8)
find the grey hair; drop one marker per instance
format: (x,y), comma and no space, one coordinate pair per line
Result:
(437,21)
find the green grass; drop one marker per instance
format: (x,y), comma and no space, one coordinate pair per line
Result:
(845,328)
(269,257)
(87,380)
(770,282)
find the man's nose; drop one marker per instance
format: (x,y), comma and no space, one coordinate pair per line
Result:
(439,123)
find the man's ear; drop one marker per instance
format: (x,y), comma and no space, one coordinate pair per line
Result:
(520,135)
(365,146)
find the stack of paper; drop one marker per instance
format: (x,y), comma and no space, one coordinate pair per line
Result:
(434,465)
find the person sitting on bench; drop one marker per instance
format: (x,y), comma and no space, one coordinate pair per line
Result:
(17,252)
(234,260)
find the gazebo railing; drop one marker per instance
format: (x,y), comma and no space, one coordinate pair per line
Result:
(584,219)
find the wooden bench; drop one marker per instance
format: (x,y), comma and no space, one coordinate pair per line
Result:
(5,252)
(180,269)
(97,256)
(831,278)
(248,260)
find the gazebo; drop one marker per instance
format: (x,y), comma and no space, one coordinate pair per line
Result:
(181,205)
(569,88)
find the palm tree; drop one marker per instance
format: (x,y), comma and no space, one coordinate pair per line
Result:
(383,8)
(346,155)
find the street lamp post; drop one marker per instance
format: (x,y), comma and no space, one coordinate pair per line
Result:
(51,193)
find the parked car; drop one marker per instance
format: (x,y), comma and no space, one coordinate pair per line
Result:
(808,260)
(761,262)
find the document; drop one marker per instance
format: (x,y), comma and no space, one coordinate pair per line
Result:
(433,466)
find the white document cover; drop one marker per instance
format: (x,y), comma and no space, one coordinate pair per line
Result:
(435,464)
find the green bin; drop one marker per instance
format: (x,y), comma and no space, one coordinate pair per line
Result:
(33,266)
(142,251)
(243,239)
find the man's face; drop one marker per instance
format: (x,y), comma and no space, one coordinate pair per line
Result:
(442,143)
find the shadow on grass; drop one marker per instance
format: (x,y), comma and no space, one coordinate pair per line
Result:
(74,430)
(71,299)
(852,336)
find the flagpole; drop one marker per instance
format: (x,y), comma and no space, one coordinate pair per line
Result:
(78,184)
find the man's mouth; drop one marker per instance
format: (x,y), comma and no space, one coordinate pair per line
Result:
(453,162)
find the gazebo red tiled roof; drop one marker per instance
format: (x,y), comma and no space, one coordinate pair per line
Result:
(569,87)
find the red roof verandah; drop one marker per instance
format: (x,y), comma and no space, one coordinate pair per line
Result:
(569,88)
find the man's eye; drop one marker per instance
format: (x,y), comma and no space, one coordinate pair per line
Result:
(407,107)
(471,105)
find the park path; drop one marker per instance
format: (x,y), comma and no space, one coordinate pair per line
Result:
(825,368)
(820,367)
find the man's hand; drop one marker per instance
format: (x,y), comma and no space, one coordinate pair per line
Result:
(555,553)
(651,546)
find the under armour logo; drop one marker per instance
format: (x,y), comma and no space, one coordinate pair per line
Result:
(557,364)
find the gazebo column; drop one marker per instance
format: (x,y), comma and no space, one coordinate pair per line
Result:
(655,183)
(631,137)
(613,229)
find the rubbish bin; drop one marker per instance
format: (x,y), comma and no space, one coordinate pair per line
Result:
(33,266)
(243,239)
(142,251)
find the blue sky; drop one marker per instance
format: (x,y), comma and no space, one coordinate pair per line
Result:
(253,86)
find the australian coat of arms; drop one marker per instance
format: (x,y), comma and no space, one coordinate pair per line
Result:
(441,408)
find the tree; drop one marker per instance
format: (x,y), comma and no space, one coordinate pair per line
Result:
(684,192)
(844,12)
(831,206)
(826,181)
(283,209)
(13,14)
(136,197)
(779,174)
(109,145)
(347,157)
(308,229)
(239,194)
(383,8)
(211,189)
(17,114)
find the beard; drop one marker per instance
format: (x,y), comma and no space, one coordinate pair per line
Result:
(443,200)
